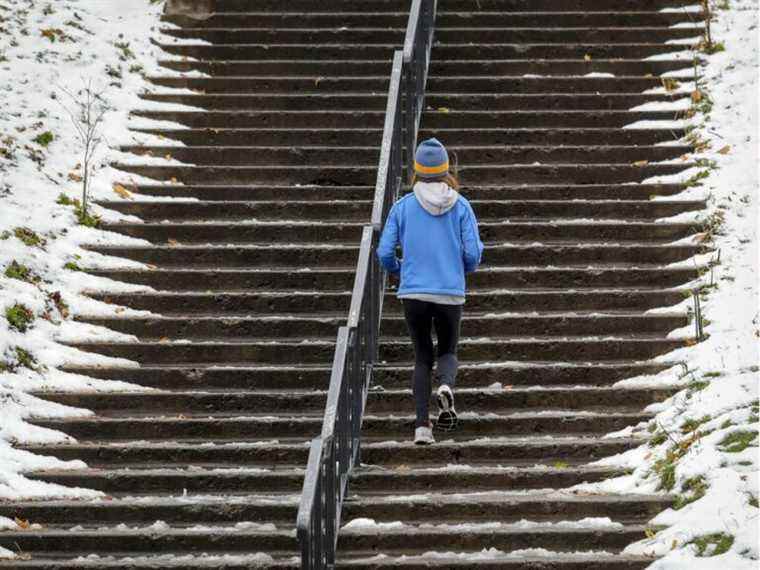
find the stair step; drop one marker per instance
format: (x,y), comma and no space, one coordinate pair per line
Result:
(488,174)
(176,481)
(337,280)
(237,539)
(255,48)
(281,20)
(477,300)
(382,401)
(161,428)
(287,377)
(484,67)
(325,325)
(558,446)
(357,211)
(291,232)
(436,83)
(501,123)
(299,6)
(355,136)
(216,155)
(476,560)
(453,35)
(338,255)
(226,192)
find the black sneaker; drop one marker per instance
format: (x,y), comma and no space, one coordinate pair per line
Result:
(447,415)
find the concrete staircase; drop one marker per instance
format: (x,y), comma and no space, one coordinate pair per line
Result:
(252,278)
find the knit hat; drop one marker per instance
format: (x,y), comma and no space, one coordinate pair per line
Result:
(431,159)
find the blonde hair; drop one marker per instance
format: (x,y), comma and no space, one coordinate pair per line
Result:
(448,178)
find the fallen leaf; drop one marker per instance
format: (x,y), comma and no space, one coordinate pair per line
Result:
(508,387)
(696,96)
(74,177)
(163,339)
(172,242)
(173,180)
(443,110)
(587,57)
(674,544)
(123,192)
(22,523)
(641,163)
(725,150)
(168,157)
(685,157)
(670,84)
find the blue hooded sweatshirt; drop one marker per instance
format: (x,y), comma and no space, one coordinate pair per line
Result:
(439,238)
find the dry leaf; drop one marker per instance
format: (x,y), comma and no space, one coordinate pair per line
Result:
(696,96)
(587,57)
(172,242)
(685,157)
(443,110)
(74,177)
(674,545)
(508,387)
(163,339)
(123,192)
(725,150)
(173,180)
(22,523)
(669,84)
(641,163)
(168,157)
(151,266)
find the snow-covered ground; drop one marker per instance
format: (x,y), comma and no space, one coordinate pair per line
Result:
(705,438)
(48,48)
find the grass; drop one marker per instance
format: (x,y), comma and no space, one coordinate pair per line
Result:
(658,438)
(85,218)
(713,544)
(692,424)
(696,487)
(72,266)
(16,270)
(28,237)
(25,358)
(19,317)
(44,139)
(697,178)
(738,441)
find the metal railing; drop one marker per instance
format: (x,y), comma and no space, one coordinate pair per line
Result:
(336,451)
(417,44)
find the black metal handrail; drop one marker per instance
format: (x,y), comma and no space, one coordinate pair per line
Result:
(336,451)
(417,45)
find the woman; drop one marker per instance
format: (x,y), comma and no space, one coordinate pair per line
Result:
(438,234)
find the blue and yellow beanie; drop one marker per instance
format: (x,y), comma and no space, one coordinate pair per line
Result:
(431,159)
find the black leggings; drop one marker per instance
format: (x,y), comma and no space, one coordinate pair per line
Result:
(421,316)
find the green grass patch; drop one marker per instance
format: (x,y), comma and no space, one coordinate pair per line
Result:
(44,139)
(692,424)
(738,441)
(72,266)
(658,438)
(713,544)
(25,359)
(19,317)
(694,489)
(16,270)
(28,237)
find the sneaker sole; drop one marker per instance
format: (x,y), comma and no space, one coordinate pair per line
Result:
(447,416)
